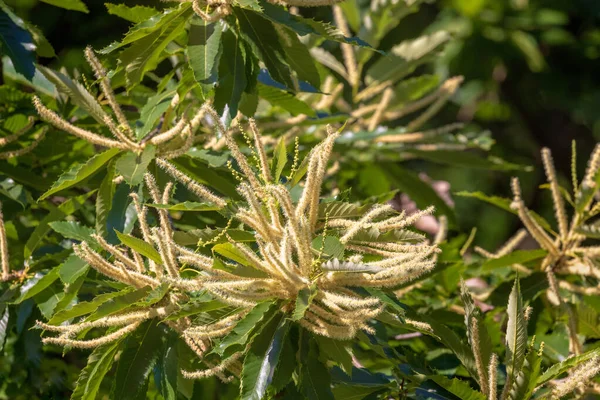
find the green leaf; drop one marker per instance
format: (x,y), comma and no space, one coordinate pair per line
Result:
(104,199)
(133,166)
(167,370)
(459,388)
(229,251)
(75,5)
(135,14)
(315,381)
(16,42)
(154,108)
(98,364)
(66,208)
(76,92)
(298,57)
(504,204)
(467,160)
(145,249)
(72,230)
(262,359)
(37,284)
(560,368)
(279,159)
(340,209)
(329,245)
(79,172)
(232,75)
(588,321)
(337,351)
(150,41)
(516,335)
(239,336)
(84,308)
(281,98)
(516,257)
(3,327)
(118,303)
(303,301)
(259,33)
(139,355)
(204,45)
(525,382)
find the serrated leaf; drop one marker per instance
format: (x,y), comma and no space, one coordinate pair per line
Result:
(133,166)
(154,108)
(145,249)
(337,351)
(98,364)
(79,172)
(314,378)
(232,75)
(204,45)
(524,384)
(340,209)
(303,300)
(330,246)
(458,388)
(75,5)
(166,370)
(37,284)
(118,303)
(239,336)
(262,359)
(135,14)
(588,321)
(516,334)
(298,57)
(104,199)
(84,308)
(72,230)
(281,98)
(559,368)
(16,42)
(76,92)
(66,208)
(515,257)
(137,360)
(3,327)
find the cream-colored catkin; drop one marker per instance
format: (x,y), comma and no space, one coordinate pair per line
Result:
(194,187)
(476,348)
(581,377)
(559,204)
(382,106)
(92,343)
(53,119)
(493,377)
(19,152)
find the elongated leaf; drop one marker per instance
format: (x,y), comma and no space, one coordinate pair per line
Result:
(303,300)
(66,208)
(315,381)
(137,360)
(262,359)
(76,92)
(98,364)
(104,199)
(559,368)
(516,257)
(16,42)
(516,335)
(72,230)
(79,172)
(459,388)
(298,56)
(241,333)
(204,45)
(232,75)
(281,98)
(75,5)
(135,14)
(144,54)
(337,351)
(118,303)
(152,111)
(525,382)
(84,308)
(133,167)
(37,284)
(166,369)
(145,249)
(3,327)
(468,160)
(258,32)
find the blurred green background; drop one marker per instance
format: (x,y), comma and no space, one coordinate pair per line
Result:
(531,71)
